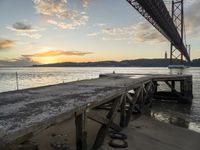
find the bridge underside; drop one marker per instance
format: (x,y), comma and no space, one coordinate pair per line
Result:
(157,14)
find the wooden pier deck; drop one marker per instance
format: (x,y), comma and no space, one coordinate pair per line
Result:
(25,113)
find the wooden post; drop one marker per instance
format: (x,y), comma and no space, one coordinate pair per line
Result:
(149,92)
(141,100)
(183,87)
(190,87)
(129,114)
(81,134)
(155,83)
(173,85)
(123,113)
(17,82)
(131,99)
(186,89)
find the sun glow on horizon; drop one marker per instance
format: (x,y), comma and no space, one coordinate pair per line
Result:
(46,60)
(56,56)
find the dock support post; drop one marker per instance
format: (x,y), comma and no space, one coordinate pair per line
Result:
(155,84)
(186,89)
(190,87)
(81,134)
(131,99)
(123,113)
(141,100)
(173,85)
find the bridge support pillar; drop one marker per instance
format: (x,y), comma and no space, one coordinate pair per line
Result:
(178,19)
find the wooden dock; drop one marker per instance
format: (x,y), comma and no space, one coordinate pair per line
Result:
(25,113)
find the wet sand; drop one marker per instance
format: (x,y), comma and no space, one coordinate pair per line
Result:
(143,133)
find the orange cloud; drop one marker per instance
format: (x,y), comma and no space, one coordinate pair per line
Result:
(54,53)
(5,43)
(55,56)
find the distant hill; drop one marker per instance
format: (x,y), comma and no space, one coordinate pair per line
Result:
(195,63)
(124,63)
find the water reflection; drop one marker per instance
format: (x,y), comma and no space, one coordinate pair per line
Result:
(194,126)
(179,122)
(176,114)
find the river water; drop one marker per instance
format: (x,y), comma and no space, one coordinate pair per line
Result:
(177,114)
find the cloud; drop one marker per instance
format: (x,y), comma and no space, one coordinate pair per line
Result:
(55,53)
(58,14)
(61,25)
(145,32)
(24,29)
(100,24)
(141,32)
(34,36)
(85,3)
(21,26)
(55,56)
(22,61)
(5,43)
(49,7)
(92,34)
(192,18)
(37,58)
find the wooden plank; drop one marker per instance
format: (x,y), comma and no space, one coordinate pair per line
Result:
(81,134)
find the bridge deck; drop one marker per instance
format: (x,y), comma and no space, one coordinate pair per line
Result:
(28,111)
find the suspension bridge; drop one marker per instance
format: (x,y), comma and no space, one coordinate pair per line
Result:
(169,25)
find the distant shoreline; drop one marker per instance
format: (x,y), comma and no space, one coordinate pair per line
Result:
(124,63)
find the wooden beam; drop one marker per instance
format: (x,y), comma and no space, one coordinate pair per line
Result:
(100,119)
(81,134)
(104,128)
(173,89)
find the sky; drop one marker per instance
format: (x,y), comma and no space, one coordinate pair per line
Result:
(53,31)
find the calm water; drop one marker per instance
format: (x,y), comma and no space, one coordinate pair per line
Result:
(181,115)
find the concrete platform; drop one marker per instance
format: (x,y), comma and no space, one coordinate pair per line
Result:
(147,133)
